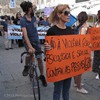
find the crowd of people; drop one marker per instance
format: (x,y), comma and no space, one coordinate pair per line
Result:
(60,16)
(30,41)
(7,20)
(4,22)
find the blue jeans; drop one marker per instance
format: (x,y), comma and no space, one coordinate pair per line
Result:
(65,86)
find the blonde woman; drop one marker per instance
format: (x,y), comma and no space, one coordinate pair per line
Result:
(60,16)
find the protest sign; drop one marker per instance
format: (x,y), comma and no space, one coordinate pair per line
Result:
(70,56)
(48,10)
(42,31)
(72,20)
(95,38)
(14,32)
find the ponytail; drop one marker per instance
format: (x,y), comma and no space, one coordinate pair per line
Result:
(82,18)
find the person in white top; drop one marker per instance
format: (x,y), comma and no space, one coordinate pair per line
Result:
(81,30)
(96,60)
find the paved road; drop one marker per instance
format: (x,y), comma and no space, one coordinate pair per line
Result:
(13,86)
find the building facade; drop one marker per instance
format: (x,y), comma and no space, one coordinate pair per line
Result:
(8,8)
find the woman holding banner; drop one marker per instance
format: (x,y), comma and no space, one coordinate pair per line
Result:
(60,16)
(96,61)
(81,29)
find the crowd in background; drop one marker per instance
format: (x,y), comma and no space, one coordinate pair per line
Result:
(11,20)
(4,22)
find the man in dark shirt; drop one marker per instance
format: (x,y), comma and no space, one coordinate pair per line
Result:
(28,26)
(44,22)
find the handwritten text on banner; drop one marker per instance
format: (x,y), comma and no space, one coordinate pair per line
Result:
(70,56)
(95,38)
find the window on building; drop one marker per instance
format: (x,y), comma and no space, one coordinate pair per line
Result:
(12,3)
(81,0)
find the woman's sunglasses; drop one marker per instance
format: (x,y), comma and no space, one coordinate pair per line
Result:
(65,13)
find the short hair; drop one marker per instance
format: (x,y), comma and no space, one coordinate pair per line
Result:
(25,5)
(82,18)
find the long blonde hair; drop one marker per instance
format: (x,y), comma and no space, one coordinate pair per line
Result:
(53,16)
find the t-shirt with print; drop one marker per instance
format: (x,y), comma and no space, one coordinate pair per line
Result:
(31,27)
(58,31)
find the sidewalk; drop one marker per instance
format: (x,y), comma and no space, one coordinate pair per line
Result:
(13,86)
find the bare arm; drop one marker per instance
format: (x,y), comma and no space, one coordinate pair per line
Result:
(82,31)
(31,49)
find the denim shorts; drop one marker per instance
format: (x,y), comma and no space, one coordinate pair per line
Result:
(36,46)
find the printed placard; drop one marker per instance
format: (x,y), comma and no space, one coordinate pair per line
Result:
(42,31)
(14,32)
(70,56)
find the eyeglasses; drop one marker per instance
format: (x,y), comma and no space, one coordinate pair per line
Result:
(65,13)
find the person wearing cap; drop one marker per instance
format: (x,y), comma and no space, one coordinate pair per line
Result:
(7,42)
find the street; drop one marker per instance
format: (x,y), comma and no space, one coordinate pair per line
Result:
(14,86)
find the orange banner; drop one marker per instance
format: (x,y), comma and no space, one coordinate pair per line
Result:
(70,56)
(95,38)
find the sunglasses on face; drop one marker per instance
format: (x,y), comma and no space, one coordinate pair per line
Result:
(65,13)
